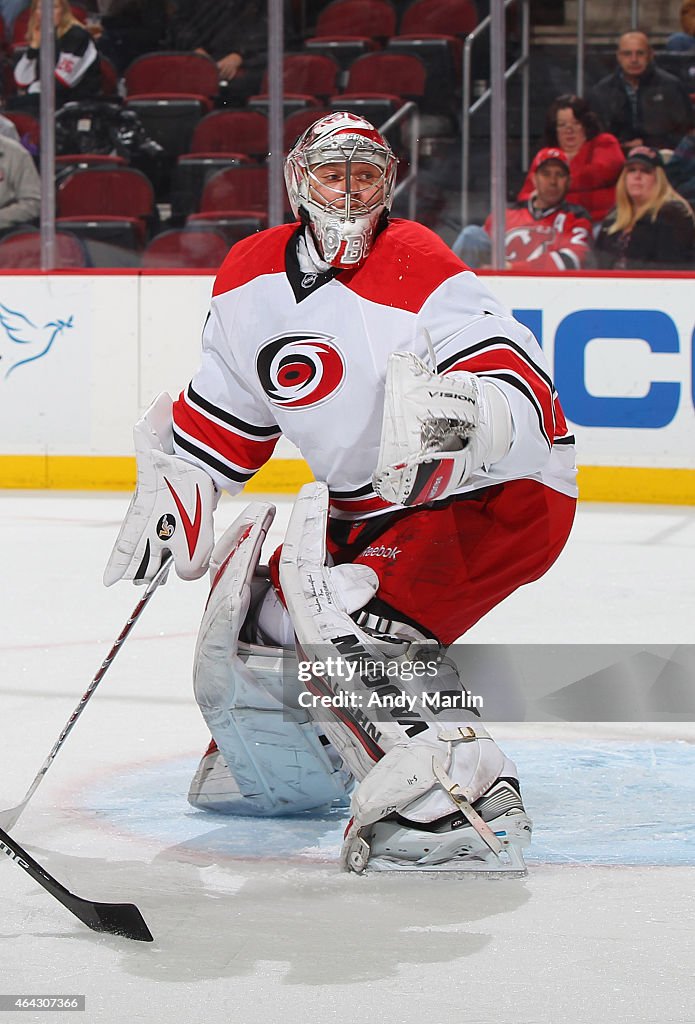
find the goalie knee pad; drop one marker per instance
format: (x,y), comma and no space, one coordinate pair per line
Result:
(275,761)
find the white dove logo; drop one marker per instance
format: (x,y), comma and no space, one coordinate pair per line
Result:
(33,341)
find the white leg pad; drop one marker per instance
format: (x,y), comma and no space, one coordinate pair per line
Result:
(274,755)
(324,628)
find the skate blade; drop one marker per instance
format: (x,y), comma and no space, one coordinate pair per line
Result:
(509,864)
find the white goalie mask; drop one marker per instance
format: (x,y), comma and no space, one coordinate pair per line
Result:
(340,176)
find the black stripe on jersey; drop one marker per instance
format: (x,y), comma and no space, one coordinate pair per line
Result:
(570,439)
(359,492)
(226,417)
(221,467)
(568,259)
(493,343)
(525,390)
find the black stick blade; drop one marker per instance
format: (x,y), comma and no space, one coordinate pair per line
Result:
(116,918)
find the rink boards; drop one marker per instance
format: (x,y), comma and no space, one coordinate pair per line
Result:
(81,356)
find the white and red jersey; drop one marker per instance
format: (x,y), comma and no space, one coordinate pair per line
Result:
(305,355)
(76,69)
(558,238)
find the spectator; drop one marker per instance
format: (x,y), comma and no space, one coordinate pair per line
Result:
(684,42)
(595,156)
(8,129)
(680,169)
(639,103)
(652,226)
(20,188)
(232,32)
(131,28)
(545,232)
(77,60)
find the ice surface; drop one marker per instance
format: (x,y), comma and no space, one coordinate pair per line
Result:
(253,922)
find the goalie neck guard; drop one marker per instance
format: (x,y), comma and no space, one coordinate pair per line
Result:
(340,176)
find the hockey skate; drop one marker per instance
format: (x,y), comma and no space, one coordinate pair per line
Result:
(450,844)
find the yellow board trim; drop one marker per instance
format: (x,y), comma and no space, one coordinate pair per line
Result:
(117,473)
(286,476)
(628,483)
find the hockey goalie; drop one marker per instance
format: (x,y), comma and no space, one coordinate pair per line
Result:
(445,480)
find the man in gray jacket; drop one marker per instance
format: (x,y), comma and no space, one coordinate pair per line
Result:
(639,102)
(20,188)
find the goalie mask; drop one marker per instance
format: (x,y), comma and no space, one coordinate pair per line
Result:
(340,176)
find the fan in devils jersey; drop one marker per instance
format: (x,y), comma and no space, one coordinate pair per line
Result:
(445,480)
(544,232)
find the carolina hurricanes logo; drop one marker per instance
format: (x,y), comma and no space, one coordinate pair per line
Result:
(300,370)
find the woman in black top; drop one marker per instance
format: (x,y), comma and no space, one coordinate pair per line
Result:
(77,71)
(652,227)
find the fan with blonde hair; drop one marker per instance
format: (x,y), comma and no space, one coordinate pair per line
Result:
(627,213)
(64,19)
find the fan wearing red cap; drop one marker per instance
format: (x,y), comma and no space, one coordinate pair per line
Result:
(550,153)
(544,233)
(652,227)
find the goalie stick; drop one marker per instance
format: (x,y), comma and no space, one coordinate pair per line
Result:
(9,817)
(116,918)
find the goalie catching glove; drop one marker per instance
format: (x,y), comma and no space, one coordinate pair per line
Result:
(171,510)
(437,430)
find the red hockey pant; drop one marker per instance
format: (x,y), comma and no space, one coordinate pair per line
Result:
(446,568)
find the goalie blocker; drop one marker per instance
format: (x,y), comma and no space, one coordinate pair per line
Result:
(171,510)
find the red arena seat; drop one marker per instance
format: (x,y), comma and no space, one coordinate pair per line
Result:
(171,72)
(120,192)
(186,248)
(232,131)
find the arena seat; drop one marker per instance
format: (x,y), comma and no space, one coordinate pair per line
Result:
(185,248)
(22,250)
(232,131)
